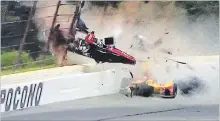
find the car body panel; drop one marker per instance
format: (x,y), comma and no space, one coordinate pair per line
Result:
(163,88)
(106,53)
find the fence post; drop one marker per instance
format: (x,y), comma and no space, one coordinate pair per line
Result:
(74,20)
(25,35)
(52,26)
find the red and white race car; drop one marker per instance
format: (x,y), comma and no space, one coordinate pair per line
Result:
(104,52)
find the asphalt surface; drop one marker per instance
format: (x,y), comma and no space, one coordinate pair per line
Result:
(119,107)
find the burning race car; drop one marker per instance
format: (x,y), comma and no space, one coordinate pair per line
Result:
(150,88)
(102,51)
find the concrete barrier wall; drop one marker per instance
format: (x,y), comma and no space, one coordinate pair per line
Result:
(68,87)
(49,73)
(73,58)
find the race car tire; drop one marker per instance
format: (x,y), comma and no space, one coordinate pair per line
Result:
(148,91)
(144,90)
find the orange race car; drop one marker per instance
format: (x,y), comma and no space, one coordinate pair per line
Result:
(150,87)
(147,86)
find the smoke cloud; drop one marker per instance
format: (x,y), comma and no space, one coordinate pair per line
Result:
(188,35)
(152,20)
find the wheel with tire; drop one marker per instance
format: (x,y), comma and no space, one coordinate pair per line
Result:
(146,90)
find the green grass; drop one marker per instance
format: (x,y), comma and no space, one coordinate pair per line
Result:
(26,62)
(20,70)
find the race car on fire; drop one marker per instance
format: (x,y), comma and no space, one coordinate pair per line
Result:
(149,88)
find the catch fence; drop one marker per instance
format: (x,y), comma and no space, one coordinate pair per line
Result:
(17,53)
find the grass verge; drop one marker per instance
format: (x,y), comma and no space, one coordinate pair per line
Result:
(21,70)
(26,62)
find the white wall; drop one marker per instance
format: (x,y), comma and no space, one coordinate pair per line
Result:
(63,88)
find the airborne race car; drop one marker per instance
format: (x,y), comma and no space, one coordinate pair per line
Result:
(102,51)
(150,87)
